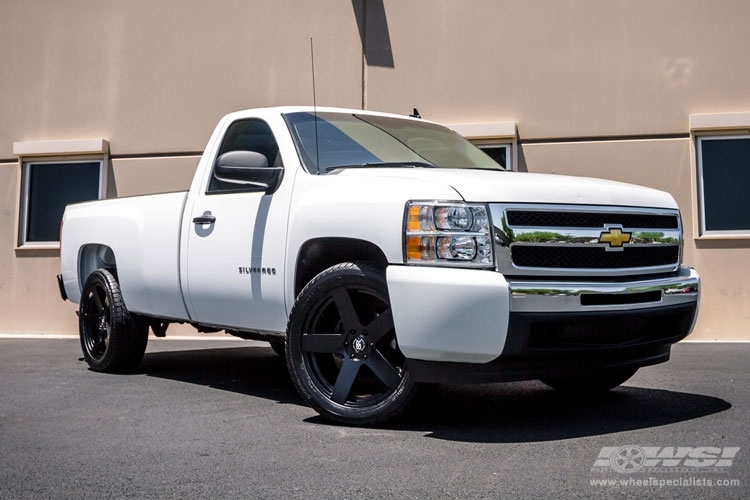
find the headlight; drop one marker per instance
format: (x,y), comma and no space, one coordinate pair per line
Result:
(447,233)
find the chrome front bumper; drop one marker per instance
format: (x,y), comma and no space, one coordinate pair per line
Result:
(474,316)
(561,296)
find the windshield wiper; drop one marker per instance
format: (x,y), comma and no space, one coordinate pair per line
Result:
(379,164)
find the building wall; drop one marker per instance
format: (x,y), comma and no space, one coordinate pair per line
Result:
(601,89)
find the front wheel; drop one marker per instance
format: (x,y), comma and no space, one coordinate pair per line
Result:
(112,339)
(341,348)
(591,384)
(278,347)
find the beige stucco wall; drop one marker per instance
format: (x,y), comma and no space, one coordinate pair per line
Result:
(28,302)
(152,78)
(29,297)
(134,176)
(595,88)
(155,76)
(573,68)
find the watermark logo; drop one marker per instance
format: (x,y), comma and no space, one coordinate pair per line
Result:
(627,458)
(685,466)
(631,458)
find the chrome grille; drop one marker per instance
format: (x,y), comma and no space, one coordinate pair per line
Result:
(560,240)
(543,218)
(592,258)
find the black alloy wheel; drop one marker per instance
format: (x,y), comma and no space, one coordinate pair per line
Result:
(342,352)
(112,339)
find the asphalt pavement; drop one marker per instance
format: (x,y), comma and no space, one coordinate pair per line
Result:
(220,419)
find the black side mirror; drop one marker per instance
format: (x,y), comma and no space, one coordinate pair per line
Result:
(249,170)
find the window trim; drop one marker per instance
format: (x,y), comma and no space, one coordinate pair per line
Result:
(488,144)
(26,165)
(713,126)
(71,151)
(703,231)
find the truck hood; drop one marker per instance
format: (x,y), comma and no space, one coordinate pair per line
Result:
(514,187)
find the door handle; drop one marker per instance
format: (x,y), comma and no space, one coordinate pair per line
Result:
(204,219)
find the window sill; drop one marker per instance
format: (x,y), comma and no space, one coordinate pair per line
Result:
(722,241)
(36,247)
(723,237)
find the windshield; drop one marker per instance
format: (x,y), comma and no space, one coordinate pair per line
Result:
(345,140)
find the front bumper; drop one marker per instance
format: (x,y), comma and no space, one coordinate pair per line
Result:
(478,318)
(537,296)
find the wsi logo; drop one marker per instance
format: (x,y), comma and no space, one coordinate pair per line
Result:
(628,459)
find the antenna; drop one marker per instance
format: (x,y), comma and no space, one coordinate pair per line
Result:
(315,107)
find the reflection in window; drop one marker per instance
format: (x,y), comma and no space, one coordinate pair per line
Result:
(329,140)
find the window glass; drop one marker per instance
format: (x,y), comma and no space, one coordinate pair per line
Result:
(724,168)
(246,135)
(48,188)
(327,141)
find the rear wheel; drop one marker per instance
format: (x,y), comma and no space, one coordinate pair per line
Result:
(112,339)
(590,384)
(341,348)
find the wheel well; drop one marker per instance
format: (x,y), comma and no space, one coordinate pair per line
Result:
(321,253)
(92,257)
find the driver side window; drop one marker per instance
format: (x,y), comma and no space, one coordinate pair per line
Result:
(246,135)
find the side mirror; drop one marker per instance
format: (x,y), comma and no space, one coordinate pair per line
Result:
(249,170)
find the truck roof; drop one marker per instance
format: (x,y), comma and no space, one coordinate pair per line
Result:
(278,110)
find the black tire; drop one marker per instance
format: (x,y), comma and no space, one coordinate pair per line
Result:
(341,348)
(112,339)
(278,347)
(591,384)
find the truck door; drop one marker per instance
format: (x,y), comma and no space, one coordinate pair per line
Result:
(234,256)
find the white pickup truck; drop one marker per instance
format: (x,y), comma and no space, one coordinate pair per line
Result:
(381,253)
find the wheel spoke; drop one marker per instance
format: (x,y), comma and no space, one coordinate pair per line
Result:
(346,309)
(380,325)
(323,342)
(99,344)
(97,301)
(383,369)
(345,380)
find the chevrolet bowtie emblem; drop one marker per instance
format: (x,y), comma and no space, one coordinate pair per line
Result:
(614,237)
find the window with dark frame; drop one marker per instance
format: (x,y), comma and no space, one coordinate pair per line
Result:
(723,177)
(498,152)
(47,187)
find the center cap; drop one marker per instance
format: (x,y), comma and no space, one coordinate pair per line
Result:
(359,345)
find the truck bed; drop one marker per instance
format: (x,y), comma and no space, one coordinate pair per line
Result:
(143,239)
